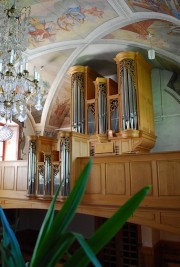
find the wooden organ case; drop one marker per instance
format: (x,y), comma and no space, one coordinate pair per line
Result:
(117,116)
(43,167)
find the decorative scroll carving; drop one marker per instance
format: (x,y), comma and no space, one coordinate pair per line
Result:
(32,164)
(77,84)
(91,108)
(56,177)
(113,105)
(91,118)
(114,115)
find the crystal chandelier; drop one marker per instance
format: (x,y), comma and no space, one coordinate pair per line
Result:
(17,90)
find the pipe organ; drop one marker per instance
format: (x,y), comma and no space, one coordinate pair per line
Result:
(118,115)
(43,167)
(108,117)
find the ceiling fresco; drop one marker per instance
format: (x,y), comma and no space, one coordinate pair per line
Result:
(48,66)
(62,33)
(60,112)
(66,20)
(169,7)
(163,34)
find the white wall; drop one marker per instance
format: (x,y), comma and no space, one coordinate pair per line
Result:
(167,113)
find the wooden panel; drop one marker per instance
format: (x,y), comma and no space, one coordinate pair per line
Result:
(21,183)
(76,146)
(9,178)
(171,219)
(125,145)
(141,175)
(84,148)
(169,177)
(145,215)
(94,185)
(115,178)
(104,147)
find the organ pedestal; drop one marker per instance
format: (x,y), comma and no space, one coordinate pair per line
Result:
(117,115)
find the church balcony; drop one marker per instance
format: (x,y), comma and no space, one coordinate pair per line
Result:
(113,179)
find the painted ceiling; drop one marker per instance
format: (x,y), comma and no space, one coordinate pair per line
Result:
(63,33)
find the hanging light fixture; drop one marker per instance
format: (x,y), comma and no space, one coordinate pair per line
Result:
(17,90)
(151,51)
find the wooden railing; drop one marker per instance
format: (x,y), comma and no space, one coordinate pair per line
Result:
(112,181)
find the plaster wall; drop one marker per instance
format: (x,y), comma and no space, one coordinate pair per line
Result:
(166,113)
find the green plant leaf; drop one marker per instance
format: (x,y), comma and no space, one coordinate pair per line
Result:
(47,223)
(84,245)
(56,251)
(66,241)
(11,253)
(109,229)
(62,219)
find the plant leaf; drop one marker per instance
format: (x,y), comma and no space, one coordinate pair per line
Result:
(56,251)
(10,249)
(109,229)
(87,250)
(62,219)
(47,223)
(66,241)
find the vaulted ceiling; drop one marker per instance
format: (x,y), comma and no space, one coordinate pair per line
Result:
(91,32)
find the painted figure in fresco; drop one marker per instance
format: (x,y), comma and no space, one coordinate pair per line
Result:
(40,30)
(75,15)
(94,12)
(59,113)
(141,28)
(70,17)
(169,7)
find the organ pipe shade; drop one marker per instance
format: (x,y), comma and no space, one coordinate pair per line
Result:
(114,115)
(91,119)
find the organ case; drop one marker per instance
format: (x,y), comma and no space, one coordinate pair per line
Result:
(116,115)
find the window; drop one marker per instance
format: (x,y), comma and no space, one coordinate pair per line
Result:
(9,148)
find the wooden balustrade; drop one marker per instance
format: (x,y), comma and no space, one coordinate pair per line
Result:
(112,181)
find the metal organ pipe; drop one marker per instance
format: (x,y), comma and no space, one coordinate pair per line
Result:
(78,103)
(47,174)
(128,95)
(65,165)
(102,108)
(32,168)
(75,121)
